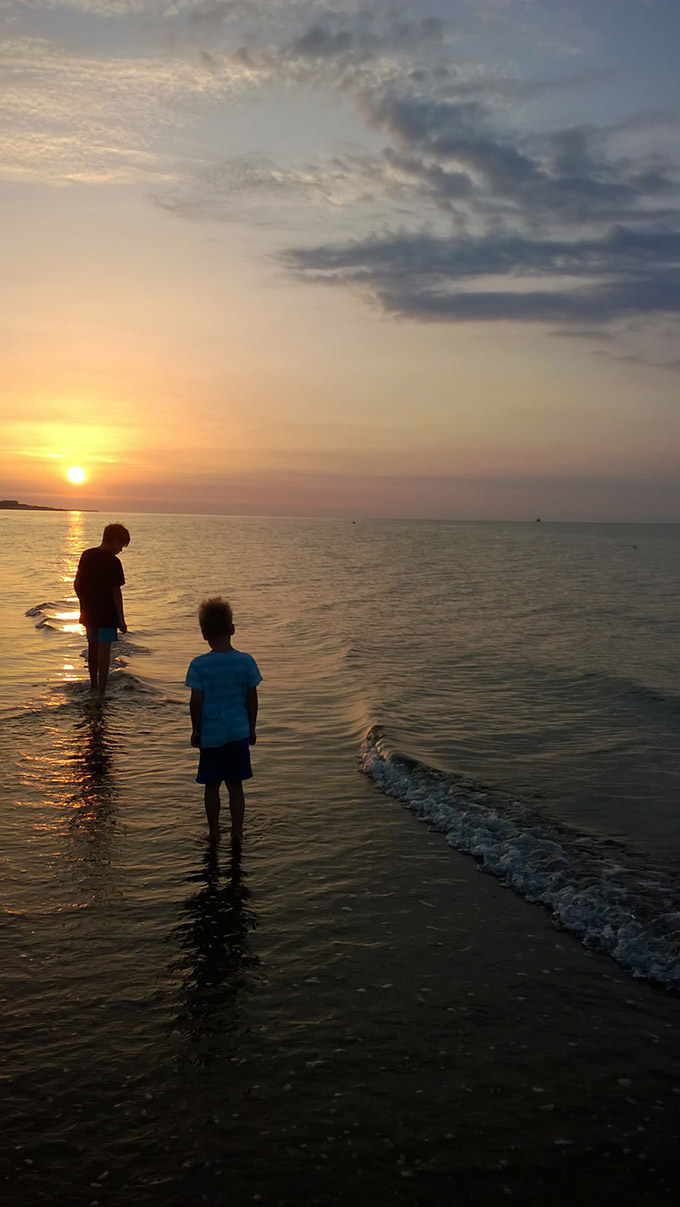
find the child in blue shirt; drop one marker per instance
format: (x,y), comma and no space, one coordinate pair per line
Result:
(223,708)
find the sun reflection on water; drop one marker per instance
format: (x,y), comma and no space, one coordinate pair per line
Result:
(75,537)
(69,618)
(70,787)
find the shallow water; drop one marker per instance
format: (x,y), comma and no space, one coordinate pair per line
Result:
(348,985)
(537,663)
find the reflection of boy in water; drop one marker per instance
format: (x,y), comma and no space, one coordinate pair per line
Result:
(223,709)
(98,585)
(214,928)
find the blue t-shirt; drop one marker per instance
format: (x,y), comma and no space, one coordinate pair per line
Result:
(225,678)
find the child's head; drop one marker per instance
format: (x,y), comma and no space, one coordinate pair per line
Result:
(215,618)
(116,534)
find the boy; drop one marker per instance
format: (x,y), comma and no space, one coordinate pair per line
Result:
(223,708)
(98,585)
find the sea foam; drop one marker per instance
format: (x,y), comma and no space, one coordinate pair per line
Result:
(588,883)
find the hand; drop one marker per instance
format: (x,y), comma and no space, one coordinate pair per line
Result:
(252,738)
(123,627)
(195,738)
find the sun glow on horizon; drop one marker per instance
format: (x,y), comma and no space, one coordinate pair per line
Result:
(76,474)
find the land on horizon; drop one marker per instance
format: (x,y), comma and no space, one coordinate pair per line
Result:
(14,505)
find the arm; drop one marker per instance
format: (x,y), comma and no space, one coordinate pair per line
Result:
(77,580)
(251,705)
(118,601)
(196,712)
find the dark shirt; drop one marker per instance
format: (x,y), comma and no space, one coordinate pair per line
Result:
(98,573)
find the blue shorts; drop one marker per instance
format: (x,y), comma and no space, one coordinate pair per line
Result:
(230,763)
(104,636)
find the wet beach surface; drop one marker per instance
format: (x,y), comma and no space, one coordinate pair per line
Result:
(350,1011)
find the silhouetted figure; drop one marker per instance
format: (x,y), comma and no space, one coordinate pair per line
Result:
(223,709)
(98,585)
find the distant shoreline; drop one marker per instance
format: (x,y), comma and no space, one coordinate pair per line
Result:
(14,505)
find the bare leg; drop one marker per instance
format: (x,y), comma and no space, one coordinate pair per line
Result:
(103,665)
(237,808)
(93,661)
(212,810)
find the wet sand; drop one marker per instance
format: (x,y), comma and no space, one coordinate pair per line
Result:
(351,1012)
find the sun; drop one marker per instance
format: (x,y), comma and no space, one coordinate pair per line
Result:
(75,474)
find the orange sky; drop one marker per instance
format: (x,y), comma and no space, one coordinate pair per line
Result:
(219,269)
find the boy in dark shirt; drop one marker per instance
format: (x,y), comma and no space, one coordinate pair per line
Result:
(98,585)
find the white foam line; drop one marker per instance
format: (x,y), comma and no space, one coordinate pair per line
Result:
(588,893)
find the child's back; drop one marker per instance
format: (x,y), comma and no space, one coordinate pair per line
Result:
(223,707)
(224,677)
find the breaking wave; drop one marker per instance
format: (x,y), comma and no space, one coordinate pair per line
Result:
(589,884)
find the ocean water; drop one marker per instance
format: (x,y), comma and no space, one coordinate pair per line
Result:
(514,686)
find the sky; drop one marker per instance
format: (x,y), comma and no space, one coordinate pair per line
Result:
(392,259)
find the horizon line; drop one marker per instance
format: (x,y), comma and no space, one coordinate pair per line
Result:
(352,519)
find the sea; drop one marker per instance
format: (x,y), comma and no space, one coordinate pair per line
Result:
(447,959)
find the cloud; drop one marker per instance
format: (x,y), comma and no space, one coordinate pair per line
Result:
(95,117)
(212,12)
(625,273)
(105,8)
(621,251)
(532,226)
(501,221)
(632,358)
(362,38)
(260,189)
(570,179)
(542,227)
(446,159)
(196,10)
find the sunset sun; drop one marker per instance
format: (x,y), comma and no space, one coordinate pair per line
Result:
(75,474)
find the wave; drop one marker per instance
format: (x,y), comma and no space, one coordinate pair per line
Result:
(620,690)
(120,681)
(618,910)
(54,605)
(61,616)
(640,695)
(49,622)
(131,647)
(38,608)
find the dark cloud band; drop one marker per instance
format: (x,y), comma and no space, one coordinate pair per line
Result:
(625,273)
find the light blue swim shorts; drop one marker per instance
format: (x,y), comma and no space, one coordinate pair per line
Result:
(103,636)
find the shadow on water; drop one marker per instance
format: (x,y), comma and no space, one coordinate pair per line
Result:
(217,968)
